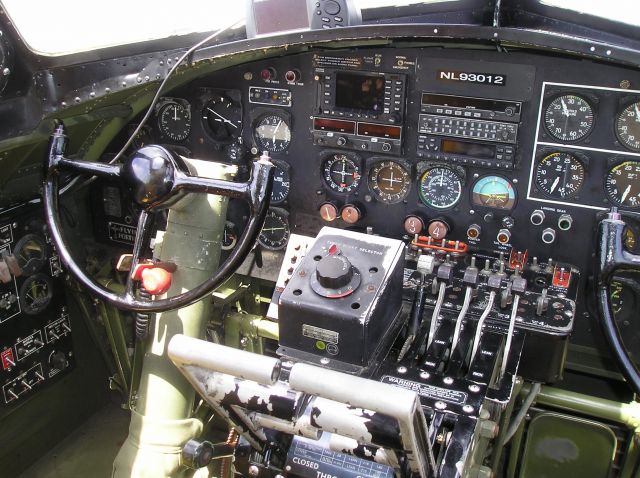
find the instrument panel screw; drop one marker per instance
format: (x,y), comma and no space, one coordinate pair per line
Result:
(467,409)
(324,361)
(447,380)
(440,405)
(402,369)
(424,375)
(474,388)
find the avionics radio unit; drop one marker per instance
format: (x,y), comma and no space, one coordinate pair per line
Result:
(360,110)
(478,131)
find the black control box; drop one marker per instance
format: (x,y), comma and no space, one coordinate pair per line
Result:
(342,304)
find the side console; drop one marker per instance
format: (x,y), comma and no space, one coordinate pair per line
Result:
(35,331)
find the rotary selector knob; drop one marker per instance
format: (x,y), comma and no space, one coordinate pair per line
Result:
(334,272)
(335,276)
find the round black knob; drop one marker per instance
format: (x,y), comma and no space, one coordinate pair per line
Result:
(58,361)
(334,272)
(149,172)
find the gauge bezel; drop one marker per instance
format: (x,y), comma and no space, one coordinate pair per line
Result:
(31,266)
(372,164)
(162,106)
(355,158)
(581,158)
(621,110)
(611,164)
(285,117)
(286,167)
(588,100)
(475,205)
(212,95)
(284,214)
(39,276)
(423,172)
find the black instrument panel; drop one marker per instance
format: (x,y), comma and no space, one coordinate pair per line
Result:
(503,152)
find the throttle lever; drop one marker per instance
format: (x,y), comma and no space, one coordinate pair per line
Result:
(612,258)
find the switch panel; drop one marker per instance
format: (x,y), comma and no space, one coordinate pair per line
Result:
(35,330)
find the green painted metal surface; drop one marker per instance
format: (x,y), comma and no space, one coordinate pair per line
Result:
(560,446)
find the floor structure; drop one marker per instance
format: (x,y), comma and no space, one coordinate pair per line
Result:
(89,451)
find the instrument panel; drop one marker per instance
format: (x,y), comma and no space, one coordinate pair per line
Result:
(497,152)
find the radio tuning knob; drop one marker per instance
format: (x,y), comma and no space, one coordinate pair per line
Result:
(341,141)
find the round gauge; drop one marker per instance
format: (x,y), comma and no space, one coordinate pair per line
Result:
(222,118)
(281,183)
(174,121)
(440,188)
(272,133)
(30,253)
(389,181)
(622,184)
(624,303)
(35,294)
(341,172)
(628,126)
(494,192)
(229,236)
(569,118)
(275,232)
(560,175)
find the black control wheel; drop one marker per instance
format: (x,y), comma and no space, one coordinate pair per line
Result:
(156,180)
(613,258)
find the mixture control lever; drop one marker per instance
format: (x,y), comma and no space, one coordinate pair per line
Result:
(518,287)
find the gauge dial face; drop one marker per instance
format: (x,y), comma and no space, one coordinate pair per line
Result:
(628,126)
(440,188)
(341,172)
(389,181)
(272,133)
(223,118)
(35,294)
(623,184)
(281,183)
(495,192)
(30,253)
(569,118)
(275,232)
(560,175)
(174,121)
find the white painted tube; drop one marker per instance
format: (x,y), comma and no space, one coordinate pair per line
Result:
(185,351)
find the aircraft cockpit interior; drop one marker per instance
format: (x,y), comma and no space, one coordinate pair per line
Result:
(320,239)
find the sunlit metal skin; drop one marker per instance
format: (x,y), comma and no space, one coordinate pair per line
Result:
(154,176)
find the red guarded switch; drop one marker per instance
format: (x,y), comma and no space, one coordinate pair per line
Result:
(8,362)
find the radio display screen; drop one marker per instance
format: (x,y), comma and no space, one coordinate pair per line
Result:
(360,92)
(474,150)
